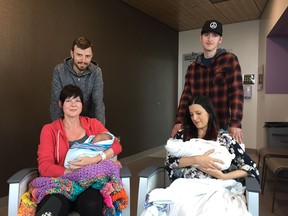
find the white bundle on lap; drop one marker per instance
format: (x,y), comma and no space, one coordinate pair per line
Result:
(194,197)
(194,147)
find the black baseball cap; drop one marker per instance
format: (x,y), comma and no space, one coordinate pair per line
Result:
(212,26)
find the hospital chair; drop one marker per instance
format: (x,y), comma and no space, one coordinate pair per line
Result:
(18,184)
(157,177)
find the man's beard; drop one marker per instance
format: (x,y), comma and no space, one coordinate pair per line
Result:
(81,67)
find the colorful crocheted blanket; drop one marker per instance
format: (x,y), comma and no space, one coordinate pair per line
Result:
(104,176)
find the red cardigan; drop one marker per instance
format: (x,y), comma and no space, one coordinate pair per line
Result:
(54,145)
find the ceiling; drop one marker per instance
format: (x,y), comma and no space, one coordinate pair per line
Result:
(184,15)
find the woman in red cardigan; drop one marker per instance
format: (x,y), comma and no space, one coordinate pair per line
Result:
(56,139)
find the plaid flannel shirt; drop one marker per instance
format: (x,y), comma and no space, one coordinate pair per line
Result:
(221,81)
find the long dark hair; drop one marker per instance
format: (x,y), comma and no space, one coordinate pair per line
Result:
(190,130)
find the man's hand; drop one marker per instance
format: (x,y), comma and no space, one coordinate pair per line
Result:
(236,133)
(175,129)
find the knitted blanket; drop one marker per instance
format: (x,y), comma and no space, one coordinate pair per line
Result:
(104,176)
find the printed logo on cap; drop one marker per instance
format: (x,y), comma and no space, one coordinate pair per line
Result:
(213,25)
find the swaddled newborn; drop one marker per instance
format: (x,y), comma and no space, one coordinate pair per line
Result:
(88,148)
(194,147)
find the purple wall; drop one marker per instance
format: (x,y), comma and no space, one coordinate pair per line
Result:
(276,77)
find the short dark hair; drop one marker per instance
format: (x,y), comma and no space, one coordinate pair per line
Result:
(190,130)
(71,91)
(82,43)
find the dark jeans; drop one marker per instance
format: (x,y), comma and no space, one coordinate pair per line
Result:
(88,203)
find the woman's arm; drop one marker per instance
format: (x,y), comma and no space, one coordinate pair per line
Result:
(86,160)
(224,176)
(242,161)
(204,161)
(47,161)
(101,133)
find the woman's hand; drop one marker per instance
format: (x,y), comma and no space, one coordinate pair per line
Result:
(206,162)
(216,173)
(83,161)
(203,161)
(209,166)
(68,171)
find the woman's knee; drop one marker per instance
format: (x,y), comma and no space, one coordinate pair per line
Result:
(90,202)
(55,204)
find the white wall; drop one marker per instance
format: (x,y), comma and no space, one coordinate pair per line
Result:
(242,39)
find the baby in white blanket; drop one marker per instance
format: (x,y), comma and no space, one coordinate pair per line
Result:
(194,147)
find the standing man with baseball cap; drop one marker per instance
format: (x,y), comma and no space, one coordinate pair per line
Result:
(215,73)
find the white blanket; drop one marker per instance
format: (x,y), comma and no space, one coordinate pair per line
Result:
(193,147)
(198,197)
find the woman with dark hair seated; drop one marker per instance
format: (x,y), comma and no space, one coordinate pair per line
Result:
(201,122)
(199,184)
(55,141)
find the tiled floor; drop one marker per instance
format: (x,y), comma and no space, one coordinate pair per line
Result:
(156,157)
(281,201)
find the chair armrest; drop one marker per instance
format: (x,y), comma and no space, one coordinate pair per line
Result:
(18,184)
(22,174)
(150,178)
(148,171)
(252,185)
(125,172)
(252,195)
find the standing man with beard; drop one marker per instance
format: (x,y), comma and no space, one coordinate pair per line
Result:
(79,70)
